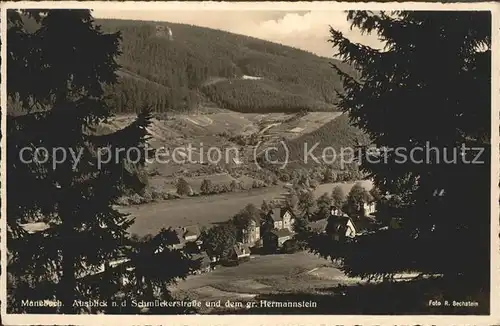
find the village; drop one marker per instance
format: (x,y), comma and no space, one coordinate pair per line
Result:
(277,230)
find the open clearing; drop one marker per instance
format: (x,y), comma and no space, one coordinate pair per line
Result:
(333,274)
(206,210)
(209,292)
(181,128)
(262,275)
(247,276)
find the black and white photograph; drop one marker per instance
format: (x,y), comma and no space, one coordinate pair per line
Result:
(248,159)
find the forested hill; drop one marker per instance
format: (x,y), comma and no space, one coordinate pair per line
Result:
(176,67)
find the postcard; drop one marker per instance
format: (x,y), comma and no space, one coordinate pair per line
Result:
(297,163)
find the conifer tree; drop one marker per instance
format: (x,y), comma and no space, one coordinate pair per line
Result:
(430,83)
(56,75)
(338,197)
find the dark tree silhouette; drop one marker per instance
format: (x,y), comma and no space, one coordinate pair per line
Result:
(431,84)
(338,197)
(356,197)
(302,232)
(56,83)
(307,203)
(219,240)
(183,187)
(248,213)
(323,203)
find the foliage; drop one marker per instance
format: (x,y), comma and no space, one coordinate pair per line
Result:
(323,203)
(338,197)
(307,203)
(265,208)
(183,187)
(375,194)
(437,75)
(206,186)
(365,299)
(186,71)
(356,197)
(290,246)
(302,232)
(292,199)
(59,106)
(249,213)
(150,277)
(324,146)
(181,74)
(329,175)
(219,240)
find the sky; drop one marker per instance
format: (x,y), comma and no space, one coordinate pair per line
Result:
(307,30)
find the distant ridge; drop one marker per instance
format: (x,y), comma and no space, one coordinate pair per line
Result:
(177,67)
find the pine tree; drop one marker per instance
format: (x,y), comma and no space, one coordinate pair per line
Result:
(219,240)
(323,203)
(307,203)
(183,187)
(56,74)
(206,187)
(302,231)
(338,197)
(356,197)
(265,208)
(433,82)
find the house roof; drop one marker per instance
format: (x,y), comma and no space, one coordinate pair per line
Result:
(278,213)
(338,210)
(187,231)
(179,232)
(281,233)
(361,224)
(193,229)
(241,249)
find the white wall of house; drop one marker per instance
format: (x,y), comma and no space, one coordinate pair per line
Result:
(191,238)
(351,230)
(368,208)
(287,221)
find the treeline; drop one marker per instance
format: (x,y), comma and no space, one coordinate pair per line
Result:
(261,96)
(133,91)
(169,73)
(325,144)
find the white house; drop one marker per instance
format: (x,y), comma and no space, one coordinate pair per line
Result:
(369,208)
(282,218)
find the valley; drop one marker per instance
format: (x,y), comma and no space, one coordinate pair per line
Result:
(207,210)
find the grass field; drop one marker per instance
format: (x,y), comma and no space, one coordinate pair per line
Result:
(262,275)
(150,218)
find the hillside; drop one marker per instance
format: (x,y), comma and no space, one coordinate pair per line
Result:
(176,67)
(326,143)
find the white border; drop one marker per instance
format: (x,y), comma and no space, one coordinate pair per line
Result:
(44,319)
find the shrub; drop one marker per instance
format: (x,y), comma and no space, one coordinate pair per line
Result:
(136,199)
(147,196)
(206,187)
(172,195)
(156,194)
(183,188)
(290,246)
(123,201)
